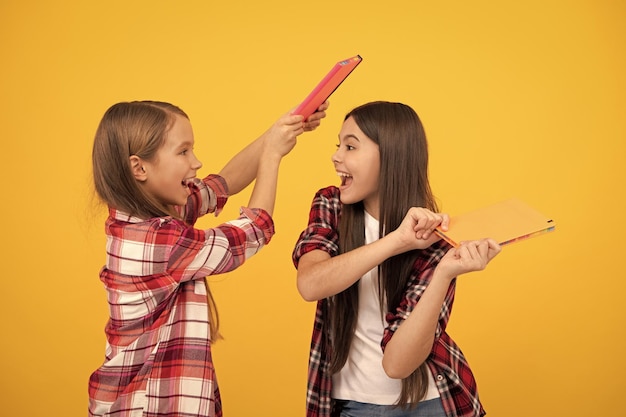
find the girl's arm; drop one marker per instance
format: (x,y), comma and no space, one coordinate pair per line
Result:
(320,275)
(242,169)
(413,340)
(278,141)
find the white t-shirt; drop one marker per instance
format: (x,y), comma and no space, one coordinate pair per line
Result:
(363,378)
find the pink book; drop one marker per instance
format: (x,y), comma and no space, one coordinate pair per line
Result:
(327,86)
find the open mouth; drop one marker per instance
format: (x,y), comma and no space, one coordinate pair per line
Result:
(187,182)
(346,179)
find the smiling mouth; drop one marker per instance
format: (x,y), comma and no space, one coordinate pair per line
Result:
(187,182)
(344,177)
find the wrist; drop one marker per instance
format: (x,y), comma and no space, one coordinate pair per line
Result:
(270,158)
(397,244)
(441,275)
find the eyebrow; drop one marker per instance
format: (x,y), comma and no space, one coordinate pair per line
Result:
(185,144)
(348,136)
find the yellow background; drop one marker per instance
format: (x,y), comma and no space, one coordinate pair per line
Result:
(521,99)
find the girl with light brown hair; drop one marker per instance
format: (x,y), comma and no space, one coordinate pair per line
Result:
(162,317)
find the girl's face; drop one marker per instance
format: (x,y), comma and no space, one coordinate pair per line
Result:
(357,162)
(174,166)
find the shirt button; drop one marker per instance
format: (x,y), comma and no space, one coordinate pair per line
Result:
(439,377)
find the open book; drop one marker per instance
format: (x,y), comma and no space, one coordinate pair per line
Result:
(506,222)
(327,86)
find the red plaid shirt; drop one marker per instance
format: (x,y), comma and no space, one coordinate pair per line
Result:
(453,376)
(158,353)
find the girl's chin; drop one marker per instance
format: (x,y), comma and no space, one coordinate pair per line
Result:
(345,198)
(183,200)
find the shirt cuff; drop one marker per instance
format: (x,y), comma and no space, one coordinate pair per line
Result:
(220,188)
(261,219)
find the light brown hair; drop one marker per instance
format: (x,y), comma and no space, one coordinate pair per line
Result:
(130,128)
(403,183)
(135,128)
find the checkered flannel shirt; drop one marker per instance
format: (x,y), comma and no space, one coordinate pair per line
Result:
(454,379)
(158,353)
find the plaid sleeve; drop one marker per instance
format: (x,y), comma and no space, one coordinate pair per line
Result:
(200,253)
(207,195)
(321,232)
(454,378)
(420,278)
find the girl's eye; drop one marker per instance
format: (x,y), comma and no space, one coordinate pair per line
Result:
(184,152)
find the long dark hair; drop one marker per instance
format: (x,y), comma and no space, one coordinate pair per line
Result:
(403,183)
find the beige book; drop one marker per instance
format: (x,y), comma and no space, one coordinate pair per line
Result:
(506,222)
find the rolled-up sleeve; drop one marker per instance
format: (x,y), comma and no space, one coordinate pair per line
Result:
(422,274)
(200,253)
(321,232)
(208,195)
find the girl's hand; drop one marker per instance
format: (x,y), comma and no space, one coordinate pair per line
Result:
(280,138)
(470,256)
(315,119)
(416,230)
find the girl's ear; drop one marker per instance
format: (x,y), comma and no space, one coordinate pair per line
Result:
(137,168)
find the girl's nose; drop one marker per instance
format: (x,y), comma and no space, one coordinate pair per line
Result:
(196,163)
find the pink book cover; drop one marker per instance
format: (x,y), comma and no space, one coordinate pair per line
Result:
(327,86)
